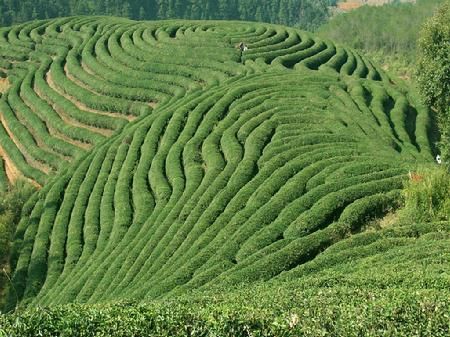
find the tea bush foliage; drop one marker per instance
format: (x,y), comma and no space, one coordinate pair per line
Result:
(172,162)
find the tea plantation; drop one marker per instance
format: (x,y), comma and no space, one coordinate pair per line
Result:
(176,168)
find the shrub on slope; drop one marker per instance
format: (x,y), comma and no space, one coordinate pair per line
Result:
(427,195)
(12,200)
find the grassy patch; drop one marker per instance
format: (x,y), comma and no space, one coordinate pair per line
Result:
(427,195)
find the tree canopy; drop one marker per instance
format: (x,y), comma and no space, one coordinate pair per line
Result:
(391,28)
(306,14)
(434,70)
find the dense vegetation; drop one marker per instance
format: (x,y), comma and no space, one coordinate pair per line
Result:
(305,14)
(178,170)
(380,283)
(69,92)
(12,200)
(264,311)
(389,32)
(434,71)
(427,198)
(238,170)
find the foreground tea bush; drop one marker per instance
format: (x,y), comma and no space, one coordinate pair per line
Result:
(264,312)
(390,282)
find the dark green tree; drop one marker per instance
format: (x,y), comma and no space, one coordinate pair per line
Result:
(277,11)
(434,71)
(142,15)
(126,10)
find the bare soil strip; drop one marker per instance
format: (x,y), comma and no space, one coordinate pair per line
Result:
(87,69)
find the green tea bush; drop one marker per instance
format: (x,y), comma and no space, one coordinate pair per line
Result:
(195,165)
(264,311)
(77,80)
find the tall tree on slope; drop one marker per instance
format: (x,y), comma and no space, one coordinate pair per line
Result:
(434,71)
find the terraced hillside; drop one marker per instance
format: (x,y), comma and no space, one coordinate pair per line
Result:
(183,163)
(74,82)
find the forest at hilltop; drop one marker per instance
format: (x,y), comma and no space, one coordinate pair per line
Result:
(387,33)
(301,13)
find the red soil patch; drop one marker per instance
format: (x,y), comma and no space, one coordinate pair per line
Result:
(416,177)
(347,6)
(4,85)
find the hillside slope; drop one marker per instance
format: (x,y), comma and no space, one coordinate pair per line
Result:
(74,82)
(193,165)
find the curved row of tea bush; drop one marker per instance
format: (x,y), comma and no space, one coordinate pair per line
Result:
(235,183)
(76,81)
